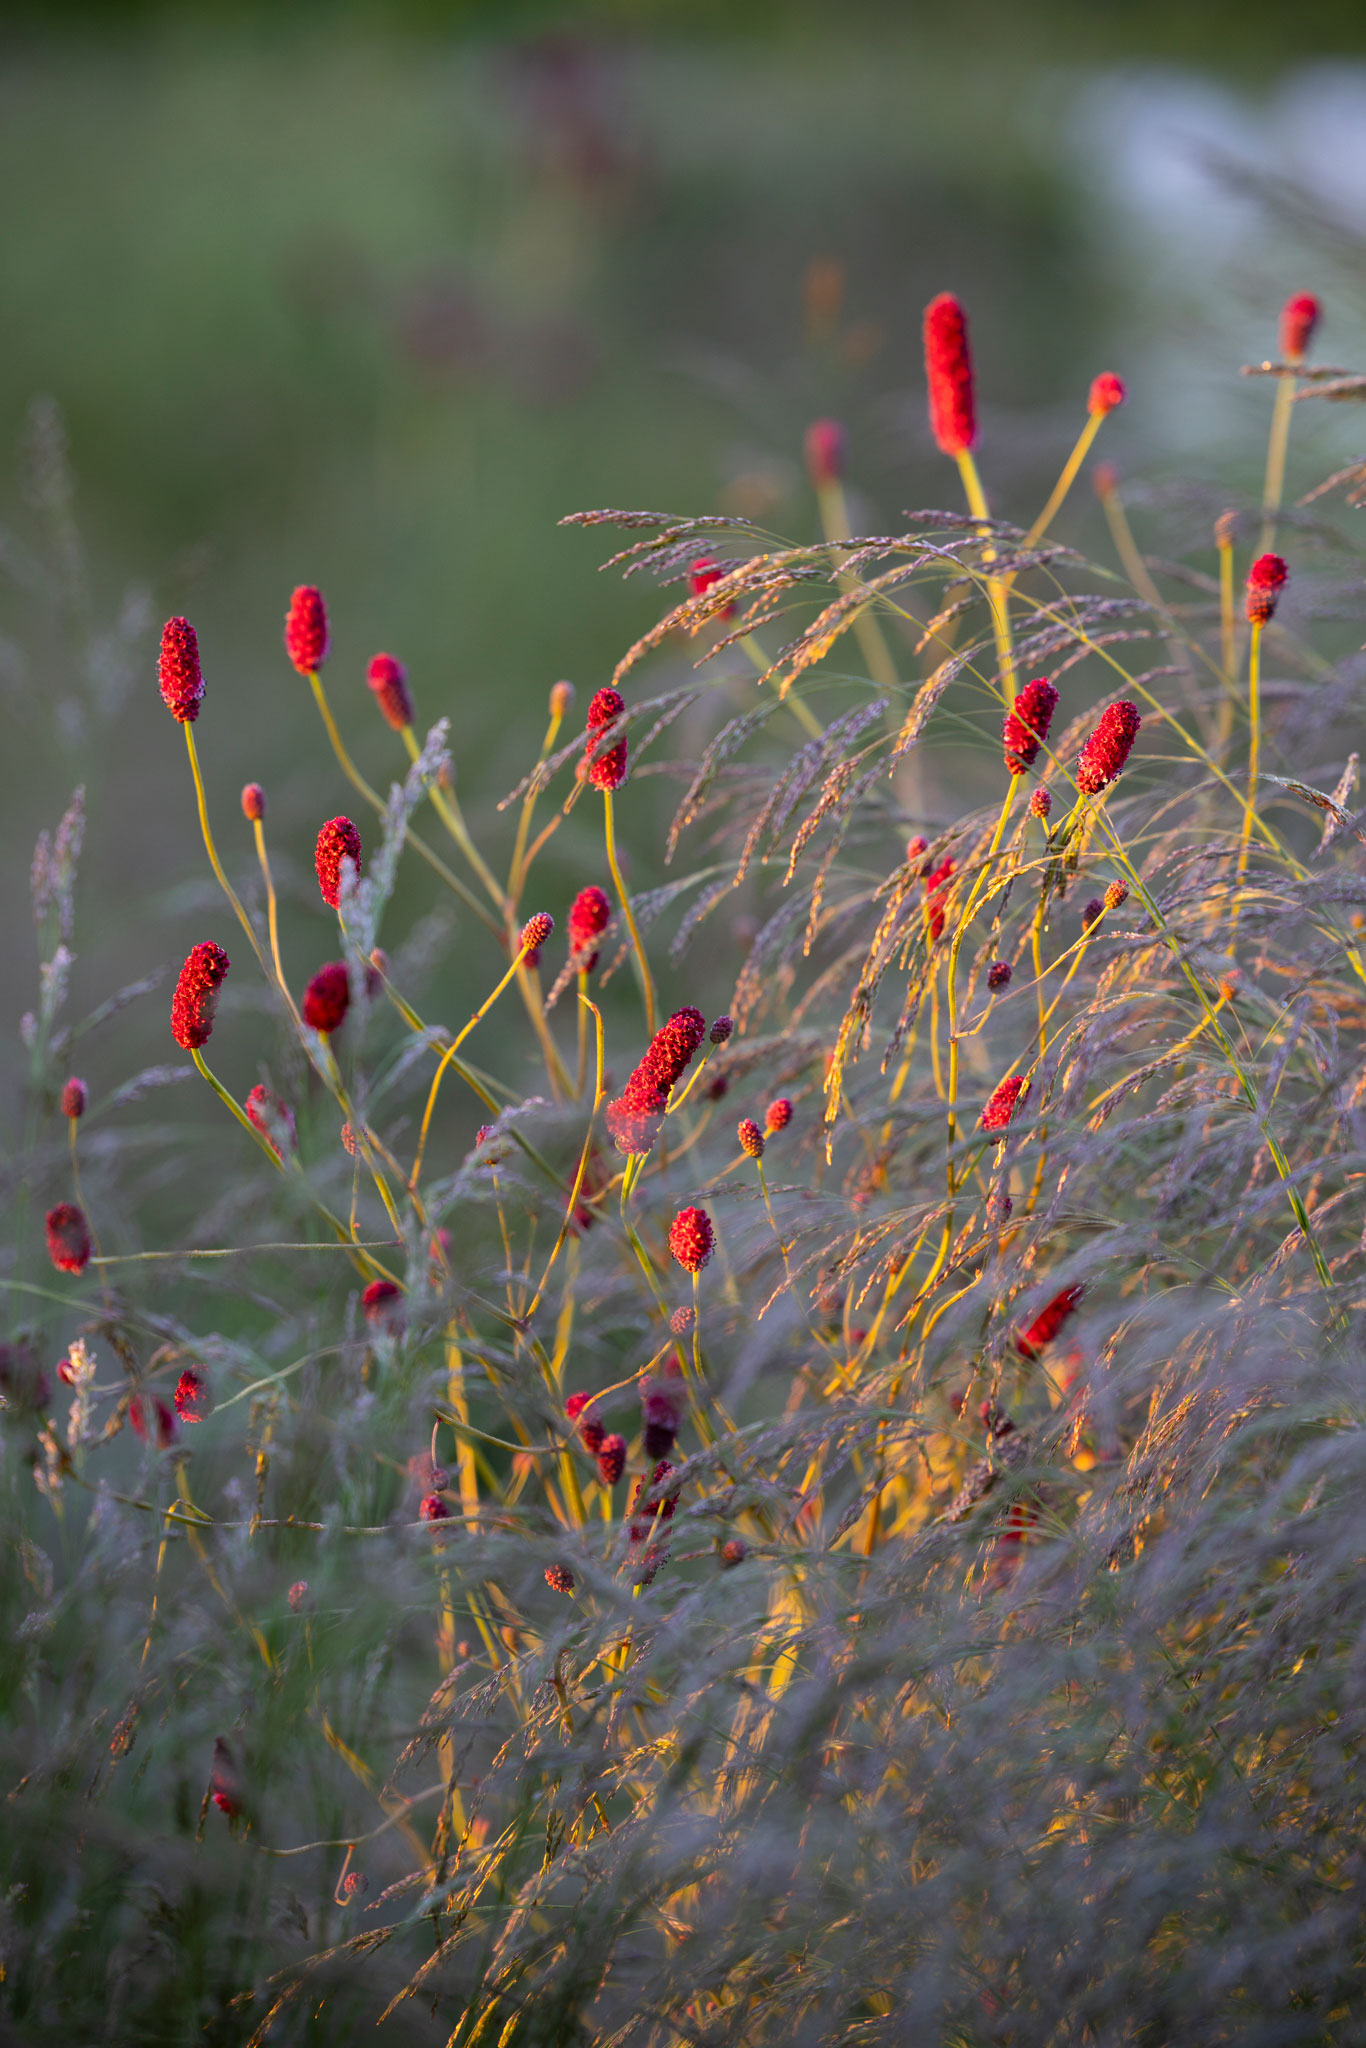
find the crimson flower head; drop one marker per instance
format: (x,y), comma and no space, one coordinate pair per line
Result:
(535,932)
(592,1435)
(196,995)
(681,1321)
(662,1402)
(692,1239)
(68,1238)
(589,916)
(1103,757)
(338,841)
(273,1118)
(1299,318)
(1116,894)
(948,371)
(607,770)
(327,997)
(559,1578)
(152,1417)
(381,1305)
(751,1138)
(434,1509)
(611,1459)
(778,1115)
(1005,1100)
(1048,1322)
(306,630)
(182,685)
(1025,726)
(1266,579)
(998,975)
(825,444)
(193,1400)
(74,1097)
(389,681)
(1107,392)
(915,846)
(635,1116)
(1040,804)
(701,578)
(722,1029)
(253,802)
(935,885)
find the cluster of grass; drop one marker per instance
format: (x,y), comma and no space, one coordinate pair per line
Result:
(833,1524)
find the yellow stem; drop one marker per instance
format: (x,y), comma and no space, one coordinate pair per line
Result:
(212,850)
(1227,641)
(448,1055)
(646,984)
(1066,480)
(1254,712)
(998,591)
(272,916)
(447,807)
(1276,446)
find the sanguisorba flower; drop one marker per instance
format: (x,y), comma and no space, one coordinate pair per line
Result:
(1299,317)
(1103,757)
(338,841)
(704,576)
(611,1459)
(1107,393)
(196,995)
(74,1097)
(935,886)
(1025,726)
(1003,1103)
(606,770)
(273,1118)
(306,630)
(948,372)
(1266,579)
(722,1030)
(751,1138)
(635,1116)
(388,679)
(178,671)
(692,1239)
(68,1238)
(253,802)
(592,1434)
(824,448)
(327,997)
(998,975)
(589,916)
(193,1399)
(778,1115)
(382,1305)
(1048,1322)
(535,932)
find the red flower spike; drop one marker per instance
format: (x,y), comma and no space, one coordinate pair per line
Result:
(948,371)
(327,997)
(703,576)
(74,1097)
(1116,894)
(68,1238)
(722,1029)
(253,802)
(382,1305)
(1025,726)
(935,886)
(611,1459)
(151,1417)
(338,841)
(635,1116)
(998,975)
(692,1239)
(306,630)
(535,932)
(1046,1325)
(354,1884)
(606,771)
(1005,1100)
(1105,753)
(778,1115)
(193,1400)
(824,447)
(348,1138)
(196,995)
(1107,393)
(433,1509)
(589,916)
(388,679)
(559,1578)
(1040,804)
(751,1138)
(592,1435)
(1266,579)
(915,846)
(298,1595)
(178,672)
(274,1119)
(1091,911)
(681,1321)
(1299,317)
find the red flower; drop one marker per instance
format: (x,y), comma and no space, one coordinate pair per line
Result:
(1103,757)
(559,1578)
(1116,894)
(607,770)
(635,1116)
(948,370)
(660,1510)
(1044,1329)
(998,975)
(338,841)
(1091,910)
(692,1239)
(721,1030)
(751,1138)
(273,1118)
(327,997)
(389,681)
(253,802)
(778,1115)
(935,885)
(734,1551)
(306,630)
(1299,318)
(591,1432)
(434,1509)
(611,1459)
(589,916)
(1005,1100)
(298,1594)
(196,995)
(68,1238)
(662,1404)
(150,1417)
(1040,804)
(1107,392)
(1025,726)
(193,1400)
(701,578)
(825,443)
(182,685)
(681,1321)
(1266,579)
(381,1305)
(535,932)
(74,1097)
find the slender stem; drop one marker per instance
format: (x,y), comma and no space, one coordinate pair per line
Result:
(646,984)
(1254,712)
(583,1033)
(449,1054)
(447,807)
(1227,640)
(1277,443)
(212,850)
(1066,480)
(998,591)
(802,712)
(272,915)
(950,981)
(584,1155)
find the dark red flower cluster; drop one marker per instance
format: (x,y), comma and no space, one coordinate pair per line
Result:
(662,1402)
(382,1305)
(74,1097)
(703,576)
(559,1578)
(646,1512)
(592,1435)
(1004,1101)
(327,997)
(1093,908)
(692,1239)
(1103,757)
(1040,804)
(68,1238)
(1025,726)
(681,1321)
(998,975)
(723,1028)
(338,841)
(1299,318)
(607,770)
(1046,1325)
(635,1116)
(274,1119)
(935,886)
(751,1138)
(825,444)
(778,1115)
(1266,579)
(535,932)
(433,1509)
(589,916)
(611,1459)
(196,995)
(1107,392)
(193,1400)
(306,630)
(178,672)
(948,371)
(152,1418)
(389,681)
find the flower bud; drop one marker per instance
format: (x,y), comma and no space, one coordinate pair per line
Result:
(1266,579)
(74,1097)
(1299,317)
(734,1551)
(327,997)
(722,1029)
(611,1459)
(178,672)
(751,1138)
(589,916)
(559,1578)
(948,372)
(692,1239)
(998,975)
(433,1509)
(778,1115)
(824,446)
(535,932)
(253,802)
(1040,804)
(561,699)
(68,1238)
(306,630)
(1091,910)
(388,680)
(1116,894)
(1107,393)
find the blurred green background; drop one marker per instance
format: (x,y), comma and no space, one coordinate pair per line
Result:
(371,297)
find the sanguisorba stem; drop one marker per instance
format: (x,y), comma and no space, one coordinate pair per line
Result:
(187,727)
(950,981)
(449,1054)
(647,987)
(1254,712)
(1066,479)
(1277,443)
(272,915)
(998,591)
